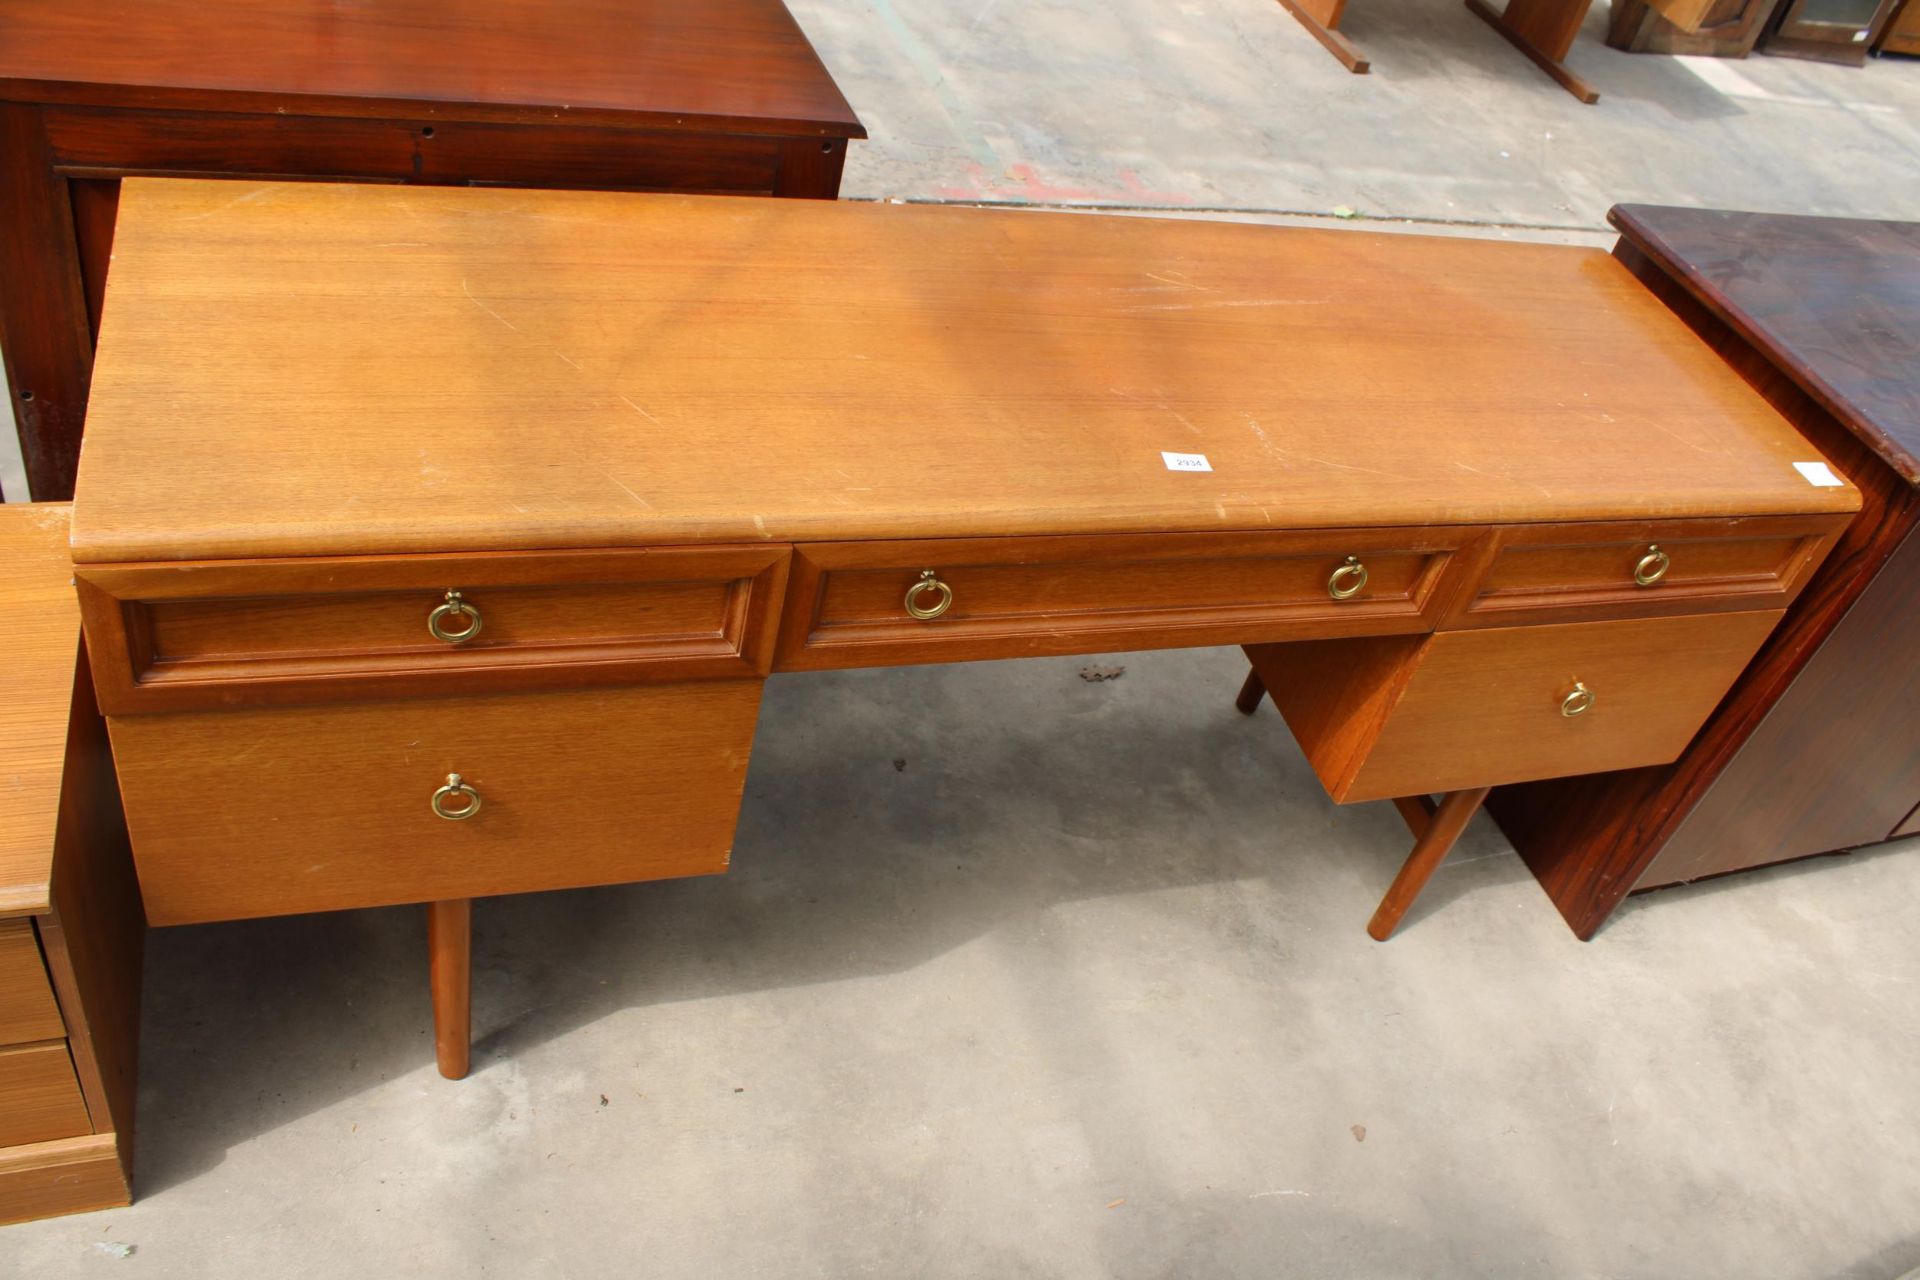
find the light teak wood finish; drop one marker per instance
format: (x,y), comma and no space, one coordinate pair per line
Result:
(723,95)
(70,919)
(1441,488)
(599,370)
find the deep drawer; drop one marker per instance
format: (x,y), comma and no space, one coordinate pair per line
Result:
(274,811)
(177,636)
(1552,573)
(27,1007)
(40,1095)
(1414,715)
(850,603)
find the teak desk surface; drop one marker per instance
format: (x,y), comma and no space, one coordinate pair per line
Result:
(426,538)
(676,95)
(430,370)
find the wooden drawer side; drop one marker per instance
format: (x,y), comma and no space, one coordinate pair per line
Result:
(275,811)
(203,635)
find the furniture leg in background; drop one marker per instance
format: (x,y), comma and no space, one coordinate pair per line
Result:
(1322,19)
(1544,31)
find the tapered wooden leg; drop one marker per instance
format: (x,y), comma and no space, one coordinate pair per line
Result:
(1250,694)
(1448,821)
(450,969)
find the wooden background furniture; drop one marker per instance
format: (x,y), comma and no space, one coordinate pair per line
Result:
(1709,28)
(1817,748)
(1541,29)
(505,628)
(1840,31)
(70,922)
(722,95)
(1902,32)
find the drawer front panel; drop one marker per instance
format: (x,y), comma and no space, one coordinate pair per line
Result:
(275,811)
(27,1007)
(303,630)
(1564,572)
(39,1095)
(1025,597)
(1484,707)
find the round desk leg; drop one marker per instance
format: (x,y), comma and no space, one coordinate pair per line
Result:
(450,972)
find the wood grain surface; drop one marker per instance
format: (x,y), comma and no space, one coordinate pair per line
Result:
(1400,716)
(1833,302)
(68,1175)
(271,812)
(39,1097)
(39,636)
(665,63)
(305,369)
(27,1009)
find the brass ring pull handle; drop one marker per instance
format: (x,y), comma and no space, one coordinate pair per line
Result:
(1578,699)
(455,607)
(1346,581)
(928,582)
(1652,567)
(456,790)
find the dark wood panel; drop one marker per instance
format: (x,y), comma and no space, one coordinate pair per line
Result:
(1836,763)
(1588,840)
(1835,302)
(44,333)
(115,143)
(665,63)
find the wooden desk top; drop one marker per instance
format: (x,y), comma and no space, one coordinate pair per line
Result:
(1835,302)
(658,64)
(40,636)
(304,369)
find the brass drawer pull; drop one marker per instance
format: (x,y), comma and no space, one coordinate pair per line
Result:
(455,607)
(928,582)
(1652,567)
(1346,581)
(1578,699)
(456,789)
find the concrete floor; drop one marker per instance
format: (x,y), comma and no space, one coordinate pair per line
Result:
(1023,975)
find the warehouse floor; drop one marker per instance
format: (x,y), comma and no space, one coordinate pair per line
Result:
(1024,974)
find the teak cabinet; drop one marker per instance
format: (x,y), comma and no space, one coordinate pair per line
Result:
(719,96)
(70,921)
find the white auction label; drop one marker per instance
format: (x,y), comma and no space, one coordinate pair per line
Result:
(1818,473)
(1192,461)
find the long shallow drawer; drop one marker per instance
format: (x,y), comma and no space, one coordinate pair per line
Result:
(40,1095)
(855,603)
(281,810)
(176,636)
(1407,716)
(27,1007)
(1552,573)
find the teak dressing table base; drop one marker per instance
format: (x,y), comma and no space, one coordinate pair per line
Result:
(506,629)
(1541,29)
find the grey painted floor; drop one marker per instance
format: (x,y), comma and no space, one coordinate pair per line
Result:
(1023,975)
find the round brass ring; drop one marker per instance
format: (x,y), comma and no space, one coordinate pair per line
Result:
(1652,567)
(455,607)
(1578,699)
(1346,581)
(928,582)
(455,787)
